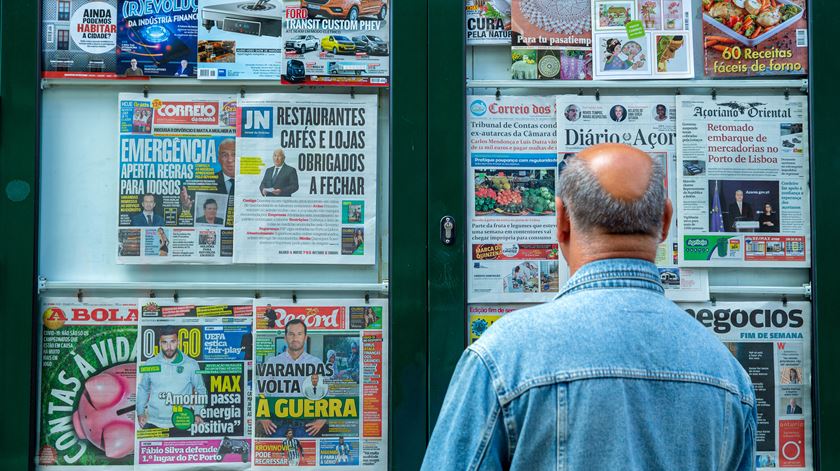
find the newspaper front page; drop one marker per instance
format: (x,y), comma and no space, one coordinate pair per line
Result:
(772,341)
(744,195)
(321,392)
(511,182)
(194,373)
(176,171)
(648,123)
(86,376)
(330,43)
(306,179)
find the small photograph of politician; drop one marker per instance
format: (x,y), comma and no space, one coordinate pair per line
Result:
(209,208)
(149,214)
(744,206)
(281,179)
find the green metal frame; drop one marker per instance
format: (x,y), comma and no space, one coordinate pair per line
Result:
(19,43)
(825,192)
(409,357)
(447,193)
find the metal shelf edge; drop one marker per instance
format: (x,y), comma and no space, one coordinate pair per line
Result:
(46,285)
(796,84)
(186,82)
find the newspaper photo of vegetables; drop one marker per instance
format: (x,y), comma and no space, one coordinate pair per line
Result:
(514,192)
(748,19)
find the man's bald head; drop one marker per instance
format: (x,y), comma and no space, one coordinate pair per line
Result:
(614,189)
(623,171)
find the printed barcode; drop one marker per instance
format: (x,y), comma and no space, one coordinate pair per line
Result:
(206,73)
(801,38)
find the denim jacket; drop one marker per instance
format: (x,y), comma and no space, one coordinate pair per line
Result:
(611,375)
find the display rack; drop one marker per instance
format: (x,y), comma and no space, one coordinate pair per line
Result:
(794,84)
(46,285)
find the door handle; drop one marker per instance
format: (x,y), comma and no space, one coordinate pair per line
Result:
(447,230)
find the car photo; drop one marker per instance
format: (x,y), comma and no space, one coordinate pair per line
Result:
(373,45)
(295,71)
(302,43)
(338,44)
(346,9)
(693,167)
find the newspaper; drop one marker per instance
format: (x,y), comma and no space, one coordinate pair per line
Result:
(177,156)
(79,39)
(642,39)
(86,376)
(482,316)
(551,40)
(772,341)
(487,22)
(157,38)
(755,39)
(321,393)
(648,123)
(329,43)
(239,39)
(307,179)
(194,383)
(744,181)
(511,182)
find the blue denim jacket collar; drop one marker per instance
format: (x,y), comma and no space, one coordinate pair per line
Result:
(614,273)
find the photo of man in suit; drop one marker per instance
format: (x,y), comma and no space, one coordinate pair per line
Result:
(211,208)
(793,408)
(183,70)
(148,216)
(227,157)
(281,179)
(740,210)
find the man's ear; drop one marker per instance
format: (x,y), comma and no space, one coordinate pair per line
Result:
(564,224)
(667,214)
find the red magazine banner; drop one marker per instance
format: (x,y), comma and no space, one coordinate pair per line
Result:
(314,317)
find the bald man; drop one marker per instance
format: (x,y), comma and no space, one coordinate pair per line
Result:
(611,375)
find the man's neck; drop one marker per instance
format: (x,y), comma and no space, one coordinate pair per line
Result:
(295,354)
(585,250)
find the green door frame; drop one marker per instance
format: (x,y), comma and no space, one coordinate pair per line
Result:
(825,192)
(19,42)
(19,148)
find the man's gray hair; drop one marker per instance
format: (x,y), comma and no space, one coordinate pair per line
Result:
(592,209)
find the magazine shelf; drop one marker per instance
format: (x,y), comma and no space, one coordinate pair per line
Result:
(791,84)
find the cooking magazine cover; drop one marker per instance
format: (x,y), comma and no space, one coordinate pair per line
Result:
(79,39)
(157,38)
(488,22)
(661,49)
(551,40)
(746,38)
(240,39)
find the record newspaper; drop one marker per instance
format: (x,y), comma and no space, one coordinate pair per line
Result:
(772,341)
(176,171)
(306,179)
(321,384)
(744,197)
